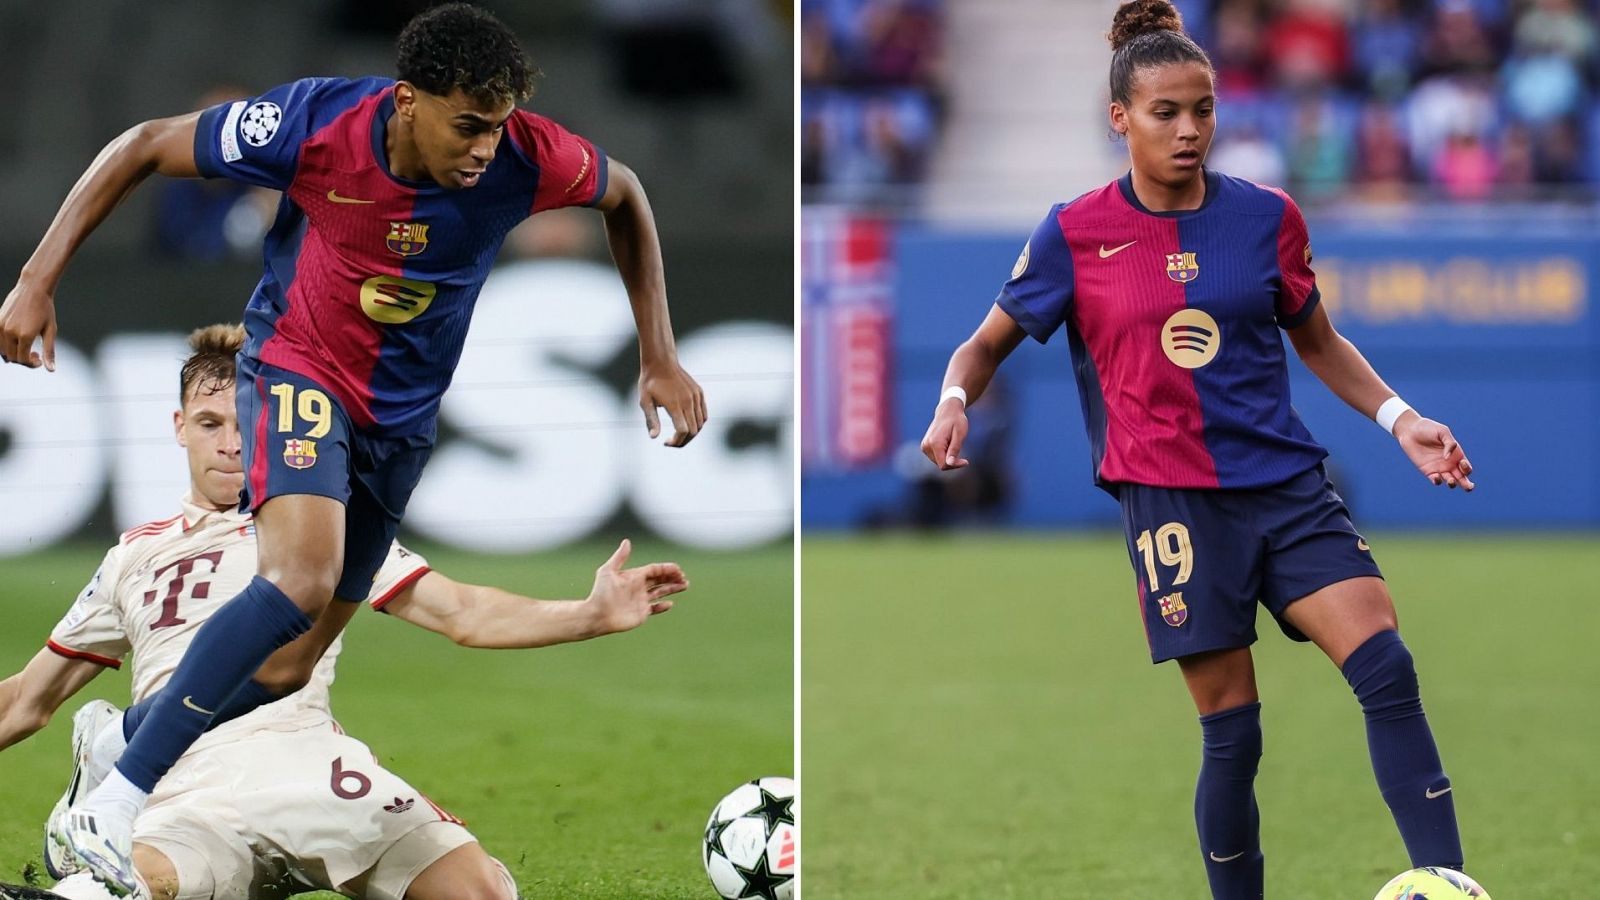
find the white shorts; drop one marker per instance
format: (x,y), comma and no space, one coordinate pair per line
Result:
(304,810)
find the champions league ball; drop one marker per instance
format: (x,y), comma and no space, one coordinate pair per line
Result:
(1431,883)
(752,843)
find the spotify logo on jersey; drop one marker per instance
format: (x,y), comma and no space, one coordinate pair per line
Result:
(1191,338)
(392,300)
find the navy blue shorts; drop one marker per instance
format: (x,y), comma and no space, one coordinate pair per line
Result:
(297,439)
(1204,558)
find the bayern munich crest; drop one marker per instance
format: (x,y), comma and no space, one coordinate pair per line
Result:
(1182,267)
(1173,612)
(299,453)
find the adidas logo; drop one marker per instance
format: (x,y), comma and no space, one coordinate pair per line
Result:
(398,806)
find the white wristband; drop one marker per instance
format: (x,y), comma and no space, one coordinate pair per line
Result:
(956,391)
(1390,412)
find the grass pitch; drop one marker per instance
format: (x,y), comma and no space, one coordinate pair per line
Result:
(589,769)
(980,719)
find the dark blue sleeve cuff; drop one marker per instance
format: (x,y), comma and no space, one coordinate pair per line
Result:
(600,177)
(1036,329)
(205,131)
(1305,311)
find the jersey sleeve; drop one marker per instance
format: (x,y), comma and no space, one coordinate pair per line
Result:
(258,140)
(400,569)
(1297,284)
(92,628)
(572,170)
(1039,294)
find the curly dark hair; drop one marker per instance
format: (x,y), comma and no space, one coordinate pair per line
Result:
(211,360)
(458,45)
(1148,33)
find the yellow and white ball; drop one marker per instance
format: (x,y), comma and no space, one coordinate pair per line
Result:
(1432,883)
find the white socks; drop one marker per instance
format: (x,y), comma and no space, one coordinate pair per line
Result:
(104,751)
(117,800)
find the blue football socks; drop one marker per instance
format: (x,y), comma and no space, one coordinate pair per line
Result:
(247,698)
(226,651)
(1404,757)
(1225,803)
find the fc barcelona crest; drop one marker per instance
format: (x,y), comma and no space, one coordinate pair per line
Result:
(299,453)
(1182,268)
(411,238)
(1172,609)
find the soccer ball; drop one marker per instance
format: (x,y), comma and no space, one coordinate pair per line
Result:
(81,886)
(752,842)
(1431,883)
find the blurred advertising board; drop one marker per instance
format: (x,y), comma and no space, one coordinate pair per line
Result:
(541,439)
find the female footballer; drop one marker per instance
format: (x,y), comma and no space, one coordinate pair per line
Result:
(1172,282)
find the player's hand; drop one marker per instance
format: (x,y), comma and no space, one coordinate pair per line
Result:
(942,443)
(623,599)
(668,386)
(28,314)
(1434,450)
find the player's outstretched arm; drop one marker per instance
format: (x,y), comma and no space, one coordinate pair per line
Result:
(1340,366)
(480,616)
(971,368)
(29,312)
(636,249)
(29,698)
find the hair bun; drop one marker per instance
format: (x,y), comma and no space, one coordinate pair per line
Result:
(1138,17)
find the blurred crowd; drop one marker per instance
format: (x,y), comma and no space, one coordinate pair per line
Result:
(1368,99)
(871,98)
(1465,99)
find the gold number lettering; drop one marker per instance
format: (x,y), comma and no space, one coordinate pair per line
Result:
(1172,546)
(285,394)
(1149,561)
(314,407)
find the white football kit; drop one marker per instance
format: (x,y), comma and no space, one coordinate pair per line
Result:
(277,798)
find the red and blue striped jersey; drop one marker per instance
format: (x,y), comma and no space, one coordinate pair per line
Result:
(370,279)
(1172,320)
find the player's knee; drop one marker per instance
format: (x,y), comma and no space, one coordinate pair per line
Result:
(160,875)
(1382,672)
(488,880)
(309,586)
(508,884)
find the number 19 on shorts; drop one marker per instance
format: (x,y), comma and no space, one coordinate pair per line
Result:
(314,408)
(1172,548)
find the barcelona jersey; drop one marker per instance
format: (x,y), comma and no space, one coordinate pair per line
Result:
(370,278)
(1172,320)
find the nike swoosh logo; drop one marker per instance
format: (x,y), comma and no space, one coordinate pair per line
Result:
(1216,858)
(1361,544)
(1434,795)
(206,712)
(334,196)
(1105,254)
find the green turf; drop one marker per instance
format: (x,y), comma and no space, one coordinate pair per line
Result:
(980,719)
(589,769)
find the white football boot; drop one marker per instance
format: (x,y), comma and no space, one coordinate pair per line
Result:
(87,773)
(104,847)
